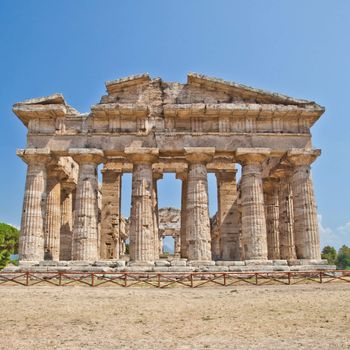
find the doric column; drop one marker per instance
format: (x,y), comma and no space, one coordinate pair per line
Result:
(142,206)
(66,236)
(307,240)
(286,216)
(85,231)
(197,219)
(53,216)
(156,176)
(183,240)
(270,186)
(111,211)
(253,214)
(228,218)
(31,242)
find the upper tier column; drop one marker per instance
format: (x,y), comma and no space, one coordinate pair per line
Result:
(85,232)
(307,239)
(110,214)
(197,219)
(31,242)
(252,197)
(142,234)
(228,216)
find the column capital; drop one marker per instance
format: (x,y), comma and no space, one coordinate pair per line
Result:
(86,155)
(142,154)
(34,155)
(282,171)
(199,154)
(252,155)
(302,156)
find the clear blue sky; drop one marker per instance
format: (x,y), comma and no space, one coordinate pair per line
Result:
(297,47)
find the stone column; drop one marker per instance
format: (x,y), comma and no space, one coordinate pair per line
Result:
(307,239)
(197,219)
(85,232)
(253,214)
(31,242)
(66,232)
(111,211)
(53,217)
(156,176)
(183,240)
(286,219)
(270,186)
(228,215)
(142,206)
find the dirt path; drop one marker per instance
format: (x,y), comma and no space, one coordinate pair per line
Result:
(270,317)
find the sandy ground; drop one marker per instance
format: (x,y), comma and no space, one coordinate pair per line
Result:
(265,317)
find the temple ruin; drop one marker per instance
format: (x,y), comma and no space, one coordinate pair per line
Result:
(149,127)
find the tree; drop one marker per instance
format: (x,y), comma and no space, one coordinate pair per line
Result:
(9,237)
(343,258)
(330,254)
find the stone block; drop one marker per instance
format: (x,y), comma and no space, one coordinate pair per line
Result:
(48,263)
(181,269)
(162,263)
(217,268)
(312,267)
(280,262)
(199,263)
(28,263)
(80,263)
(282,268)
(258,262)
(181,262)
(229,263)
(139,268)
(144,264)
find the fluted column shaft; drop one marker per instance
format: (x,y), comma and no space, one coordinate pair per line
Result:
(156,177)
(197,220)
(252,198)
(307,240)
(183,240)
(110,213)
(53,218)
(286,221)
(142,220)
(228,215)
(142,233)
(272,218)
(31,241)
(66,222)
(85,232)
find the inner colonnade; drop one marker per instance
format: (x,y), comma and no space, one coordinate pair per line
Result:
(148,127)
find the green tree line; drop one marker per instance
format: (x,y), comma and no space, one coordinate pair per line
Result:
(340,258)
(9,237)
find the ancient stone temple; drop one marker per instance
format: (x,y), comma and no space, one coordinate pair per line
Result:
(149,127)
